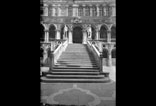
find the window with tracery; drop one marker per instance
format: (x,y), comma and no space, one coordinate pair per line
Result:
(94,13)
(87,13)
(80,11)
(70,11)
(100,11)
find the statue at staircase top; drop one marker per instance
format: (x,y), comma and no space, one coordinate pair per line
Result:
(65,31)
(89,31)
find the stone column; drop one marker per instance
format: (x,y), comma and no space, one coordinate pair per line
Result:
(59,11)
(84,10)
(97,10)
(50,10)
(70,34)
(46,35)
(46,27)
(109,57)
(114,11)
(97,32)
(91,13)
(45,10)
(104,10)
(109,36)
(84,36)
(70,37)
(53,10)
(58,34)
(66,10)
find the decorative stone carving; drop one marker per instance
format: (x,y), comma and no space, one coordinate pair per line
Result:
(70,26)
(76,20)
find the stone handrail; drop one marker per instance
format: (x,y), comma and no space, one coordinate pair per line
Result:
(58,51)
(97,55)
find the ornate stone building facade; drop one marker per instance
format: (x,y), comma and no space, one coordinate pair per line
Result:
(78,16)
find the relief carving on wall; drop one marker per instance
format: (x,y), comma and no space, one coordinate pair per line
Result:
(76,20)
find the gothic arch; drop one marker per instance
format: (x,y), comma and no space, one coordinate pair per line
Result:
(52,32)
(42,33)
(105,53)
(77,34)
(103,32)
(113,32)
(106,26)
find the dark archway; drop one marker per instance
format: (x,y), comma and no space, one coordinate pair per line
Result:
(93,33)
(77,35)
(105,53)
(41,32)
(52,32)
(113,53)
(103,32)
(62,31)
(113,32)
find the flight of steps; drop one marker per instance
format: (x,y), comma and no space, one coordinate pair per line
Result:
(75,64)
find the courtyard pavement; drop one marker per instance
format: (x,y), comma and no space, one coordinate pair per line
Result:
(88,94)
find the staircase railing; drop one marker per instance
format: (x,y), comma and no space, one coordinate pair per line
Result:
(57,52)
(96,53)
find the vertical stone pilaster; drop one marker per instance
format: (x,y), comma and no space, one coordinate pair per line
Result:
(70,34)
(57,34)
(91,11)
(84,36)
(45,10)
(97,32)
(97,6)
(46,30)
(109,35)
(109,58)
(67,10)
(84,10)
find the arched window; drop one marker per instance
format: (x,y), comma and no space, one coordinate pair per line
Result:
(100,11)
(103,32)
(113,53)
(113,32)
(70,11)
(80,11)
(94,13)
(52,32)
(87,11)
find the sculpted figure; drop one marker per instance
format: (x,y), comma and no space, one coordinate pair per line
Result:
(89,30)
(65,31)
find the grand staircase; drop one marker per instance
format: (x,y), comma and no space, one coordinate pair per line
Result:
(75,64)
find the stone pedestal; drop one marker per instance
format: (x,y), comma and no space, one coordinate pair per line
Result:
(70,37)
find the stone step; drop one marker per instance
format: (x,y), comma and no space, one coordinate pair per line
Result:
(76,64)
(75,76)
(82,60)
(74,70)
(75,67)
(49,80)
(73,73)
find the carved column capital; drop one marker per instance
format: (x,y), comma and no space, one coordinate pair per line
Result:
(97,28)
(46,26)
(70,26)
